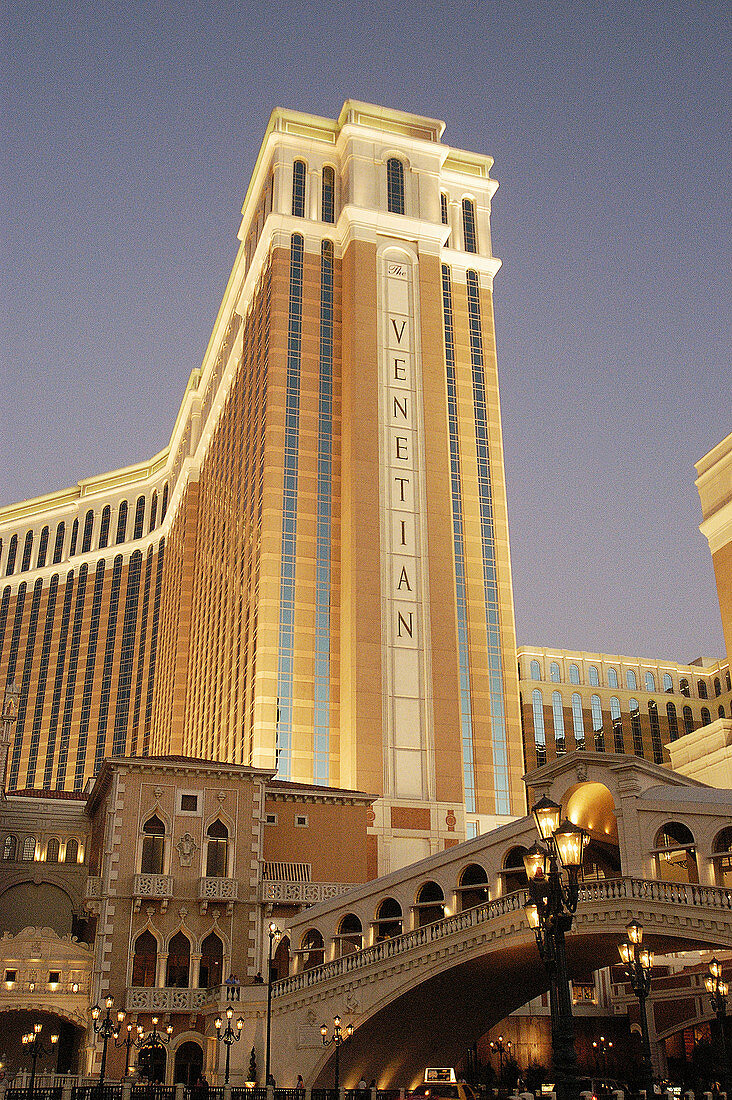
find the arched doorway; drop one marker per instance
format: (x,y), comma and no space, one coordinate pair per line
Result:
(591,806)
(151,1062)
(188,1064)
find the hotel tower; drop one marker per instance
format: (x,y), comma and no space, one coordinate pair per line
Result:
(314,576)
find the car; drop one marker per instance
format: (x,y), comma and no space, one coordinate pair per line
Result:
(601,1088)
(445,1090)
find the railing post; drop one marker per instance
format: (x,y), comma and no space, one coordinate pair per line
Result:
(227,1092)
(126,1089)
(68,1088)
(180,1091)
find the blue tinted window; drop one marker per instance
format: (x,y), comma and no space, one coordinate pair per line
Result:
(650,682)
(328,196)
(668,684)
(612,678)
(673,724)
(617,722)
(635,725)
(574,676)
(298,189)
(631,680)
(578,721)
(395,186)
(537,702)
(535,670)
(554,673)
(594,676)
(469,233)
(558,718)
(596,707)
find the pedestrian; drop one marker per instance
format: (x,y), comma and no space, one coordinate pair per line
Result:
(300,1084)
(229,983)
(236,993)
(258,979)
(362,1087)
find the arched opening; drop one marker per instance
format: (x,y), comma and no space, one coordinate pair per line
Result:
(188,1064)
(281,960)
(179,961)
(472,887)
(38,905)
(312,949)
(513,872)
(388,922)
(72,851)
(145,960)
(151,1063)
(429,906)
(591,806)
(10,847)
(722,857)
(210,973)
(153,846)
(350,935)
(676,853)
(217,850)
(52,850)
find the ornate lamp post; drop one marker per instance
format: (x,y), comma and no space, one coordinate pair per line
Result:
(718,990)
(104,1027)
(337,1040)
(273,932)
(602,1048)
(129,1040)
(638,963)
(33,1040)
(503,1050)
(553,869)
(154,1040)
(228,1036)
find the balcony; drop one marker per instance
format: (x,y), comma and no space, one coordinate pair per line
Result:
(301,893)
(168,999)
(152,888)
(217,890)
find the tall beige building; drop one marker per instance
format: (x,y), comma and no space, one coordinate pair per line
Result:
(314,576)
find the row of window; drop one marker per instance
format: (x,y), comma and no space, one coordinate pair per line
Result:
(27,850)
(631,679)
(153,849)
(178,969)
(84,545)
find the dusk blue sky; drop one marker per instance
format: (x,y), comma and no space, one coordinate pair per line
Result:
(130,133)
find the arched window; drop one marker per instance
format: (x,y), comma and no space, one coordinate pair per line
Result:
(688,720)
(655,731)
(594,676)
(58,546)
(139,518)
(702,689)
(443,209)
(617,721)
(42,549)
(612,678)
(574,677)
(29,849)
(578,721)
(673,725)
(706,717)
(668,684)
(212,962)
(52,850)
(728,679)
(558,719)
(472,887)
(514,871)
(684,687)
(470,237)
(596,708)
(537,701)
(395,186)
(635,726)
(27,551)
(535,670)
(153,847)
(164,507)
(631,680)
(717,686)
(153,510)
(298,189)
(74,537)
(555,674)
(144,960)
(676,853)
(72,851)
(217,850)
(313,949)
(104,528)
(327,201)
(12,554)
(721,711)
(179,962)
(121,523)
(430,904)
(10,847)
(650,682)
(350,935)
(722,857)
(388,921)
(86,538)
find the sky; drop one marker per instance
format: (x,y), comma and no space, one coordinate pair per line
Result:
(131,129)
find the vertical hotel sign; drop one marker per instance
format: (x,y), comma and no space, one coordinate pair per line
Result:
(405,633)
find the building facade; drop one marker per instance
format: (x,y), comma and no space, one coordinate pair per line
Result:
(314,576)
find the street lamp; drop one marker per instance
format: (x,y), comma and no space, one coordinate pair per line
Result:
(337,1040)
(228,1036)
(154,1041)
(273,932)
(33,1040)
(503,1050)
(552,904)
(105,1028)
(129,1040)
(638,963)
(718,990)
(602,1048)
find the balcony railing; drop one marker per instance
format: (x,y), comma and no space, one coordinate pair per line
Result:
(218,890)
(169,999)
(153,888)
(302,893)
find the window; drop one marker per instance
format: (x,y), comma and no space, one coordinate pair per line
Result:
(429,905)
(721,712)
(655,732)
(513,870)
(395,186)
(29,848)
(650,682)
(705,716)
(617,721)
(179,962)
(535,670)
(153,510)
(298,189)
(271,819)
(313,949)
(212,962)
(42,549)
(350,935)
(722,857)
(58,546)
(676,853)
(554,673)
(688,720)
(52,850)
(574,676)
(121,523)
(668,684)
(537,700)
(327,209)
(11,975)
(578,721)
(153,847)
(28,550)
(684,687)
(72,851)
(635,725)
(443,209)
(10,847)
(188,803)
(164,507)
(301,820)
(631,680)
(74,537)
(54,977)
(612,678)
(104,528)
(702,689)
(217,850)
(594,676)
(470,239)
(473,887)
(717,686)
(558,719)
(596,707)
(139,518)
(144,960)
(86,538)
(388,921)
(673,725)
(728,679)
(12,554)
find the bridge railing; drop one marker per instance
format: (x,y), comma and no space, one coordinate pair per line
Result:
(609,889)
